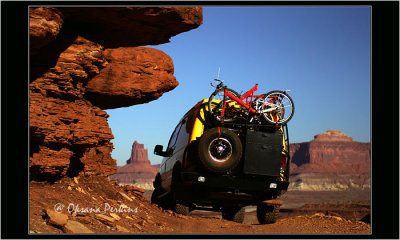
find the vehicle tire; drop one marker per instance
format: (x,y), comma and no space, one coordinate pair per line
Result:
(157,190)
(175,204)
(282,102)
(154,196)
(220,150)
(235,214)
(267,214)
(232,108)
(181,208)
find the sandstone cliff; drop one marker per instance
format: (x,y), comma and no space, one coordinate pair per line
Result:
(85,60)
(332,161)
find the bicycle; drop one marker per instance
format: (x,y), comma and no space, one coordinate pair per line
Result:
(226,105)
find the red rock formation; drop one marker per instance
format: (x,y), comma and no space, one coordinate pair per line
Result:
(139,155)
(332,152)
(44,25)
(132,76)
(69,133)
(137,169)
(115,27)
(331,161)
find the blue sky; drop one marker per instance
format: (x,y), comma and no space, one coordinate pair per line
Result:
(321,53)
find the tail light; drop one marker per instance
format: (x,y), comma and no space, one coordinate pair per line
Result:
(283,161)
(282,170)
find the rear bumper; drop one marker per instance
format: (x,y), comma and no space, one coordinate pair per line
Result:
(207,187)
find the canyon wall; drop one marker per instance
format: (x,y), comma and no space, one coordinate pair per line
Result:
(83,61)
(332,161)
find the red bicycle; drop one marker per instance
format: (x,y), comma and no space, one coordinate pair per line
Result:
(276,107)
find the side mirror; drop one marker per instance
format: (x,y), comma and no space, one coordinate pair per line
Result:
(158,150)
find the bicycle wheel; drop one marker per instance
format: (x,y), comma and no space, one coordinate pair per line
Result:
(277,107)
(215,105)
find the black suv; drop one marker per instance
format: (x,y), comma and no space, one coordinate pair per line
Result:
(224,168)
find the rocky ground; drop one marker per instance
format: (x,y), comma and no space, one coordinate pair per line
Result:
(97,205)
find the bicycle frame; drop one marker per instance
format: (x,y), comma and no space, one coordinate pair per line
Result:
(246,104)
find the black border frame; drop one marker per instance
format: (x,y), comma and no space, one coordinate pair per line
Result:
(385,117)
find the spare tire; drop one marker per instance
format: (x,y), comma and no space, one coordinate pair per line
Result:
(220,150)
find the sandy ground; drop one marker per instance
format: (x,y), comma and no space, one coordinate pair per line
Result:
(97,205)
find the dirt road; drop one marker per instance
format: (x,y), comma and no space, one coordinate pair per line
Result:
(96,205)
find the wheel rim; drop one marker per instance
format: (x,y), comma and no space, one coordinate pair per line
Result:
(216,105)
(283,108)
(220,149)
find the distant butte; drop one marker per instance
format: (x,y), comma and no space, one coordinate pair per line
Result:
(332,160)
(327,150)
(139,154)
(138,169)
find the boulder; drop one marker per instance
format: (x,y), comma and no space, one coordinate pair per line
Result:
(105,219)
(75,227)
(132,76)
(55,218)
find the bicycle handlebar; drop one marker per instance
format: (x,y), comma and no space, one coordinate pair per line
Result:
(219,84)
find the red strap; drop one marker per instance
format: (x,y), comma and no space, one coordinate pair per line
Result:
(219,132)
